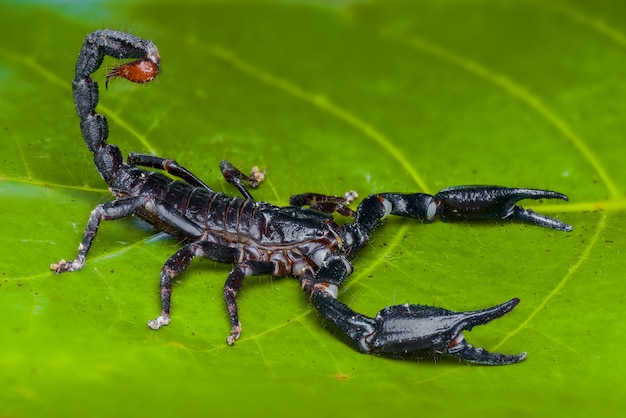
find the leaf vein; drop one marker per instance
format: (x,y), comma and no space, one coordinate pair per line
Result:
(522,94)
(561,284)
(317,100)
(32,64)
(594,23)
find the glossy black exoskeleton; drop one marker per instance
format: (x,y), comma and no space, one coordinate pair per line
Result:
(260,238)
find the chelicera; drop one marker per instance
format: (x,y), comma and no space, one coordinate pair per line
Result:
(302,240)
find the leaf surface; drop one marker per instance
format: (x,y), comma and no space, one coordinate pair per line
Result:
(366,96)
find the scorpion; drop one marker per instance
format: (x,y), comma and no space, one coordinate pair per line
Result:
(303,240)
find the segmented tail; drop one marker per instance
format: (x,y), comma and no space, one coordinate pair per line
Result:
(94,127)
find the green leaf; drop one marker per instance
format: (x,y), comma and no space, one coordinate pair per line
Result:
(329,97)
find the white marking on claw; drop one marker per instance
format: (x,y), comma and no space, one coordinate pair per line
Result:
(388,207)
(333,290)
(454,344)
(431,211)
(365,348)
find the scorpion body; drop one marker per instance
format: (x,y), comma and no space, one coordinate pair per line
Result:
(260,238)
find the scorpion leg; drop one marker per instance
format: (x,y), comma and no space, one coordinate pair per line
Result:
(325,203)
(402,330)
(236,178)
(233,284)
(107,211)
(122,208)
(178,262)
(170,166)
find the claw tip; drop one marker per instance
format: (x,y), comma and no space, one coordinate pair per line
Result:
(512,303)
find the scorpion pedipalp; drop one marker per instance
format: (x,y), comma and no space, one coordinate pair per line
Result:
(414,328)
(495,202)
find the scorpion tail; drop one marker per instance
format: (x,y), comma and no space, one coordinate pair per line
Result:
(94,127)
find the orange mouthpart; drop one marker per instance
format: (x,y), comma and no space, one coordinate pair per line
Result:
(140,71)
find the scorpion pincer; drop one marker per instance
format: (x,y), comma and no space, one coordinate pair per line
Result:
(301,240)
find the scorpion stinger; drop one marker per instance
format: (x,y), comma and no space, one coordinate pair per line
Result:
(259,238)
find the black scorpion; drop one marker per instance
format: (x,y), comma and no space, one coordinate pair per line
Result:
(259,238)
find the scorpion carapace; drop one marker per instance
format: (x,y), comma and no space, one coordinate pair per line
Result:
(260,238)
